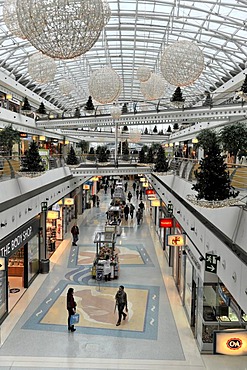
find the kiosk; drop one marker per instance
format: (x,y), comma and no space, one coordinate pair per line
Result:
(105,245)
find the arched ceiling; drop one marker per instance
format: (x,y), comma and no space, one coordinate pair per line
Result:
(137,34)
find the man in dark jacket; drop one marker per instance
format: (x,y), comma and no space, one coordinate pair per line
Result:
(75,233)
(121,303)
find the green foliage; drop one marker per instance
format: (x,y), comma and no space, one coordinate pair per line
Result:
(102,153)
(91,155)
(72,158)
(124,108)
(234,138)
(150,156)
(142,156)
(125,150)
(177,95)
(169,129)
(146,131)
(89,104)
(77,113)
(26,107)
(32,161)
(213,181)
(161,164)
(84,145)
(8,137)
(207,139)
(155,130)
(175,126)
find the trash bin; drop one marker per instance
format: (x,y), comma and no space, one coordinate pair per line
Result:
(44,266)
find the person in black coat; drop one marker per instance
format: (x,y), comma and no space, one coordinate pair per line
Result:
(71,307)
(126,212)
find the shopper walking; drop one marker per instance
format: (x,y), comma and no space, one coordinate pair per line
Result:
(129,196)
(138,216)
(121,303)
(125,186)
(126,212)
(141,206)
(134,186)
(75,233)
(137,194)
(71,307)
(132,208)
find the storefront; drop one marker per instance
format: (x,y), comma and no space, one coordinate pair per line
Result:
(19,264)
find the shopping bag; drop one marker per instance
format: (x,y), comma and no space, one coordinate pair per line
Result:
(74,319)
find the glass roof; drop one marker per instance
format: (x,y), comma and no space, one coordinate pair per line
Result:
(137,34)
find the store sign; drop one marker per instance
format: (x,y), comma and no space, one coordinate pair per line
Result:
(145,184)
(19,238)
(150,191)
(68,201)
(86,187)
(2,264)
(155,203)
(170,208)
(230,342)
(176,240)
(166,222)
(143,179)
(53,215)
(211,263)
(23,135)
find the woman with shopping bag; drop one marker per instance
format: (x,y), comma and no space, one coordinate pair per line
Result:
(71,307)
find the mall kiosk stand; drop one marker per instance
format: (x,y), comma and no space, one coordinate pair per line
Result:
(105,245)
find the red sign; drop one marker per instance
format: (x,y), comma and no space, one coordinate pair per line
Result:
(150,191)
(166,222)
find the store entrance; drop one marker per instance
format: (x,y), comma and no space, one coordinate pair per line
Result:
(15,277)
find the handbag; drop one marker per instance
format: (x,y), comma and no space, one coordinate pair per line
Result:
(74,319)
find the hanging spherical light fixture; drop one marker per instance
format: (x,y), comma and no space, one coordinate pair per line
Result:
(153,88)
(182,63)
(135,136)
(143,73)
(62,29)
(105,85)
(65,87)
(41,68)
(116,112)
(10,18)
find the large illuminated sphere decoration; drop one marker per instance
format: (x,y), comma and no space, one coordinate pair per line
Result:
(143,73)
(153,88)
(41,68)
(182,63)
(116,112)
(10,18)
(105,85)
(135,136)
(66,86)
(62,29)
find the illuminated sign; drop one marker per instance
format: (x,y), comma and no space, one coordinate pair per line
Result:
(155,203)
(145,184)
(176,240)
(68,201)
(166,222)
(23,135)
(230,342)
(52,215)
(150,191)
(86,187)
(143,179)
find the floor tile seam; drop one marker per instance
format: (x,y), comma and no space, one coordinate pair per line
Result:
(89,360)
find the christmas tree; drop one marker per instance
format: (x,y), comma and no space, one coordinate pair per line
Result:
(26,107)
(77,113)
(161,164)
(213,181)
(125,150)
(146,131)
(91,155)
(124,108)
(169,129)
(175,126)
(72,158)
(177,96)
(142,156)
(32,161)
(155,130)
(208,100)
(150,156)
(41,111)
(89,105)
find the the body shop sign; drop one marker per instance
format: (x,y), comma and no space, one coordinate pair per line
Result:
(19,238)
(230,342)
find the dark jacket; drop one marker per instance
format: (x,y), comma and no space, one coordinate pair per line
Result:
(121,298)
(75,230)
(71,304)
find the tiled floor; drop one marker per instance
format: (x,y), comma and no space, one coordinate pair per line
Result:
(156,334)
